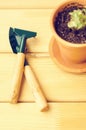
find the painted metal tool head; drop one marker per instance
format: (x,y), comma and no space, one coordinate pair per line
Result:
(18,37)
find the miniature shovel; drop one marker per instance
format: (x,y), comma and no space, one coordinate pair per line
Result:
(18,39)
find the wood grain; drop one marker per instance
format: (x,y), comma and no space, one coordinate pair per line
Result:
(65,92)
(61,116)
(39,96)
(17,78)
(33,20)
(37,4)
(56,84)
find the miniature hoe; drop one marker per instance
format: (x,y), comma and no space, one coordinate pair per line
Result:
(17,38)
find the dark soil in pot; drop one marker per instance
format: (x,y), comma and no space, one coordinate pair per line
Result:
(62,29)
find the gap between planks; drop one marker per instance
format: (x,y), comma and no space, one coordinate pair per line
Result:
(33,54)
(56,84)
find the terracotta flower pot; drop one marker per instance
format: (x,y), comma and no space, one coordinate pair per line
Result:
(70,52)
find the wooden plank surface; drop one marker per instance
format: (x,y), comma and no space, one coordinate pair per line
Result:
(33,20)
(61,116)
(65,92)
(31,4)
(56,84)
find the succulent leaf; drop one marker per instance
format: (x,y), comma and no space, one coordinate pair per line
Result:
(77,19)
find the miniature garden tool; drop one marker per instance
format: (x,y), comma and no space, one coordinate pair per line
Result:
(18,39)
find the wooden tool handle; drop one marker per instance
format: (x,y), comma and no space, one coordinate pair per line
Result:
(17,77)
(37,92)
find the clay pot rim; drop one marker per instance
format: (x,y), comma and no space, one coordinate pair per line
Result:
(58,38)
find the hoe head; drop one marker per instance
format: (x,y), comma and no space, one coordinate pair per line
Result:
(18,37)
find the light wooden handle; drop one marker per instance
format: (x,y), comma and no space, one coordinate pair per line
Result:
(17,78)
(37,92)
